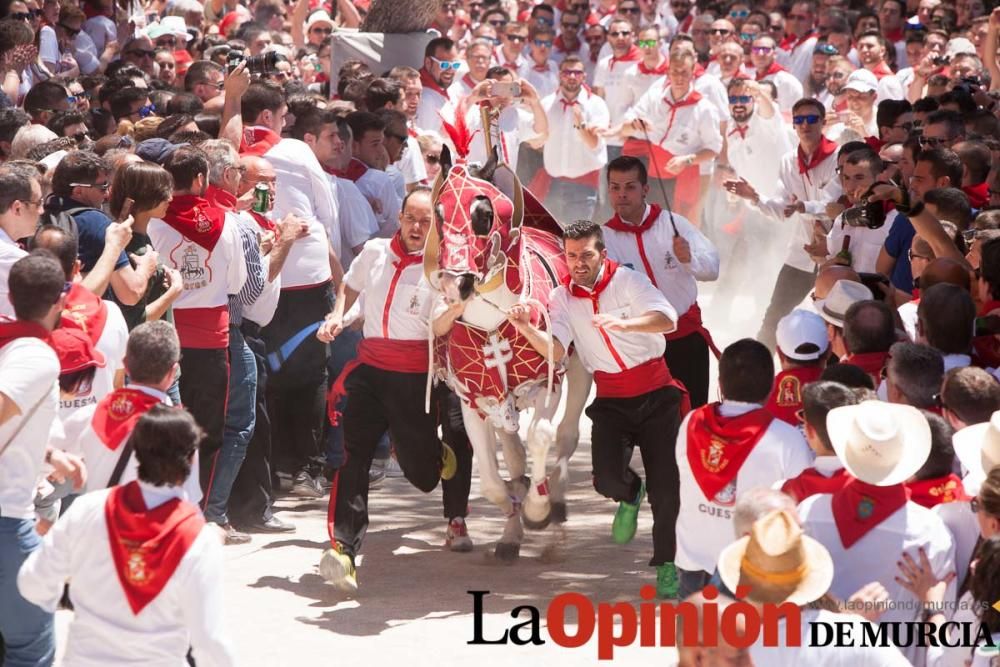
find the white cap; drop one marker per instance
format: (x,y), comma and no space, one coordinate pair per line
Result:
(318,16)
(169,25)
(802,336)
(842,295)
(960,45)
(862,81)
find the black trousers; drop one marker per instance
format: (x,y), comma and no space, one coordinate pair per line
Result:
(687,359)
(651,422)
(253,494)
(296,394)
(378,400)
(204,392)
(792,286)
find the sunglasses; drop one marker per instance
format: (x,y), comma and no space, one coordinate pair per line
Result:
(21,16)
(629,10)
(647,43)
(570,26)
(761,49)
(446,65)
(903,126)
(80,137)
(775,27)
(740,99)
(146,111)
(543,43)
(103,187)
(594,39)
(798,17)
(573,73)
(748,36)
(720,31)
(620,33)
(517,39)
(141,53)
(933,142)
(167,41)
(72,32)
(826,50)
(739,13)
(809,119)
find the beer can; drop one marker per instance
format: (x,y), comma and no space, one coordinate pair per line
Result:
(261,197)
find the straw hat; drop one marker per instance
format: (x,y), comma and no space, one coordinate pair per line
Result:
(879,443)
(777,562)
(978,446)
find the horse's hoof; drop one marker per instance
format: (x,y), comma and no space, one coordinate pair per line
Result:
(536,525)
(557,513)
(507,552)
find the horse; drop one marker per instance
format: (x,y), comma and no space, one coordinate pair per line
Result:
(480,253)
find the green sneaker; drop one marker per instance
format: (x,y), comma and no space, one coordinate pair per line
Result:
(667,585)
(449,462)
(626,518)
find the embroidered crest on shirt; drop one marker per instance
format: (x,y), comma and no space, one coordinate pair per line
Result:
(866,507)
(947,492)
(121,408)
(137,573)
(713,460)
(789,391)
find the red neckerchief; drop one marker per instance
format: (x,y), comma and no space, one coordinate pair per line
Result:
(699,71)
(467,80)
(692,98)
(632,56)
(560,46)
(880,71)
(740,130)
(566,104)
(875,143)
(896,35)
(619,225)
(870,362)
(773,69)
(791,42)
(685,25)
(219,198)
(979,194)
(428,82)
(541,68)
(659,70)
(147,545)
(607,273)
(196,219)
(85,311)
(11,330)
(355,170)
(265,223)
(785,400)
(404,258)
(811,482)
(717,446)
(258,140)
(117,414)
(859,507)
(932,492)
(826,149)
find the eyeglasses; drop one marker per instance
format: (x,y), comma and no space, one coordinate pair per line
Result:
(620,33)
(446,65)
(573,73)
(517,39)
(740,99)
(72,32)
(826,50)
(324,31)
(21,16)
(720,31)
(141,53)
(31,202)
(933,142)
(543,43)
(739,13)
(629,10)
(809,119)
(103,187)
(647,43)
(761,50)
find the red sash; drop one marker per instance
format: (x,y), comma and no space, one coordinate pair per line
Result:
(717,446)
(826,149)
(979,195)
(196,219)
(11,330)
(638,380)
(85,311)
(147,545)
(690,323)
(770,71)
(811,482)
(258,140)
(870,362)
(859,507)
(785,400)
(398,356)
(931,492)
(117,414)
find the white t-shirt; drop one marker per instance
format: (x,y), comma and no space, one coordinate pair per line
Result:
(397,300)
(29,371)
(10,252)
(565,154)
(680,127)
(357,220)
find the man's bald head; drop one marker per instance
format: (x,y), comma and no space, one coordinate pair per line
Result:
(831,274)
(256,165)
(945,270)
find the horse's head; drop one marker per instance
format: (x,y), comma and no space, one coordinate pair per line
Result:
(467,250)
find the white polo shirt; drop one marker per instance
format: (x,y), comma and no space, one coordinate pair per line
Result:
(751,153)
(679,127)
(397,301)
(705,526)
(628,294)
(29,371)
(565,155)
(377,186)
(677,281)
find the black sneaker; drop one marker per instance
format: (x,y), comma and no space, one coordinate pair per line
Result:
(305,485)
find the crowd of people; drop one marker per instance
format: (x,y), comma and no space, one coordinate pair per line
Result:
(197,208)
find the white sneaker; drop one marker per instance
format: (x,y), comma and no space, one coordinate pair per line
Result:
(392,469)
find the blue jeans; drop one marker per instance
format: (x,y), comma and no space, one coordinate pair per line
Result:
(240,415)
(28,631)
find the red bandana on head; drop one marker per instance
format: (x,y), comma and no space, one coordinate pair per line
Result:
(718,446)
(147,545)
(859,507)
(117,414)
(11,330)
(811,482)
(933,492)
(826,149)
(633,55)
(85,311)
(196,219)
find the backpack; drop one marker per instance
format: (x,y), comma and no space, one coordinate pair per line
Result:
(63,219)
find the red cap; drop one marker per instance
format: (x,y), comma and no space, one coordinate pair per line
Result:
(75,351)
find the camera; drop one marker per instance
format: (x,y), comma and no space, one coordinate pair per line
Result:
(940,61)
(865,214)
(875,283)
(261,65)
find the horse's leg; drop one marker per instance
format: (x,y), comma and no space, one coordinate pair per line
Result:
(578,382)
(513,453)
(541,438)
(491,485)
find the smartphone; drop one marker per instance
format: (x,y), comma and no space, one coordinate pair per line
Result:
(505,89)
(126,209)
